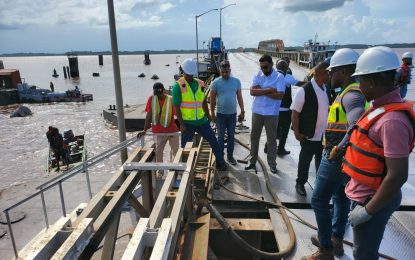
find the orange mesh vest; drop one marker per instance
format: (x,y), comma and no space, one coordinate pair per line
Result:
(364,160)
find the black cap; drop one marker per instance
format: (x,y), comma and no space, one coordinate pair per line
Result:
(158,85)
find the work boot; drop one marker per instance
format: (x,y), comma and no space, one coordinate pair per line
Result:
(283,152)
(300,189)
(321,254)
(232,160)
(337,243)
(250,167)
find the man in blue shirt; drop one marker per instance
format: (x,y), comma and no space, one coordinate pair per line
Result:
(225,91)
(267,89)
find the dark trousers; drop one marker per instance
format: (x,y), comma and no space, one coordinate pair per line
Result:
(308,150)
(284,124)
(207,133)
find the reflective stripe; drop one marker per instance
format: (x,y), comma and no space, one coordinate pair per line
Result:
(369,154)
(365,173)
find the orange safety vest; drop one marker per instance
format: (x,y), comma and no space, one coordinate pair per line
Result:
(364,160)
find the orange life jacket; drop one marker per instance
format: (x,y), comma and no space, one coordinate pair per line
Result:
(364,160)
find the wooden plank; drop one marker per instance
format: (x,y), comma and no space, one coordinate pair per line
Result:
(48,242)
(76,242)
(138,207)
(176,213)
(113,207)
(157,214)
(247,224)
(136,246)
(147,190)
(163,242)
(110,239)
(201,238)
(97,203)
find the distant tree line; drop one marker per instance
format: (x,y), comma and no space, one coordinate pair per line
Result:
(86,53)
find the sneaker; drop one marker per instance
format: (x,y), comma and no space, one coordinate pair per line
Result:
(250,167)
(321,254)
(300,189)
(273,169)
(337,243)
(283,152)
(232,161)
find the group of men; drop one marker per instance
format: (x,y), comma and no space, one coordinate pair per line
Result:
(186,109)
(361,153)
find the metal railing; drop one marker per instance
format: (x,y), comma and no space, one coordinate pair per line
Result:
(58,180)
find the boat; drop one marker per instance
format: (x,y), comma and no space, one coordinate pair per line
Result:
(313,51)
(76,147)
(34,94)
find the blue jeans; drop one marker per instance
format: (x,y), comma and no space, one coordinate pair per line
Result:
(207,133)
(330,183)
(368,236)
(404,90)
(228,123)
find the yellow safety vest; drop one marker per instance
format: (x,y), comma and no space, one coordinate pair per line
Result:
(191,105)
(337,119)
(162,117)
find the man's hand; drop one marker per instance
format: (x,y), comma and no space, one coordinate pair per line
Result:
(300,137)
(213,118)
(334,153)
(183,128)
(359,215)
(241,117)
(141,133)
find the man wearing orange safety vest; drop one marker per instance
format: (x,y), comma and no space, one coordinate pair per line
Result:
(346,109)
(160,117)
(377,156)
(192,110)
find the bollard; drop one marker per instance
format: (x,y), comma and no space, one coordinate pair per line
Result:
(100,60)
(64,72)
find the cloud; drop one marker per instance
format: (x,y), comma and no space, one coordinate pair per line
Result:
(308,5)
(88,13)
(166,6)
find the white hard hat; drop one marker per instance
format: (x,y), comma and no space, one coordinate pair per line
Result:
(407,55)
(343,57)
(376,59)
(189,67)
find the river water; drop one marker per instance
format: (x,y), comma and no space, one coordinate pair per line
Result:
(23,144)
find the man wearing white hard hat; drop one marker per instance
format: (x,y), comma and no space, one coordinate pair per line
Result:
(346,109)
(377,156)
(403,74)
(192,110)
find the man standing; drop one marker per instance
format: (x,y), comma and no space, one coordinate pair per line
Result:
(403,75)
(192,110)
(346,109)
(160,117)
(309,118)
(225,91)
(284,121)
(267,89)
(377,156)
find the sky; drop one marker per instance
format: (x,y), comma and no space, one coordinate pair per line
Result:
(82,25)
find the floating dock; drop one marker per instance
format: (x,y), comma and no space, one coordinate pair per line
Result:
(134,116)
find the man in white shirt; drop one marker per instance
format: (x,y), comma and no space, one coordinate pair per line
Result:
(309,119)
